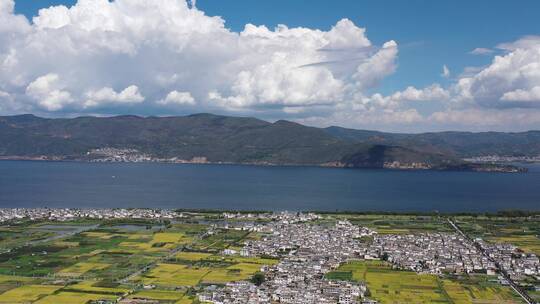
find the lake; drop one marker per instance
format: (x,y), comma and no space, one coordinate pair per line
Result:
(153,185)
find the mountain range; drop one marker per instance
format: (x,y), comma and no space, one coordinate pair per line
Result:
(224,139)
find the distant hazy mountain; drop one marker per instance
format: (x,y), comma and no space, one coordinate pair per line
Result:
(249,140)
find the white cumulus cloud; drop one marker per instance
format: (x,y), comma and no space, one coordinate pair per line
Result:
(48,93)
(432,93)
(129,95)
(178,98)
(169,57)
(523,95)
(513,76)
(159,46)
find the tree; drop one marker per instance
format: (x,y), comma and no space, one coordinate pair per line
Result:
(258,278)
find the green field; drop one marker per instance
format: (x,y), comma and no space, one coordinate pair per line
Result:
(390,286)
(192,256)
(169,263)
(74,298)
(477,290)
(27,293)
(11,237)
(394,286)
(96,287)
(236,272)
(174,275)
(399,224)
(81,268)
(160,295)
(98,258)
(522,232)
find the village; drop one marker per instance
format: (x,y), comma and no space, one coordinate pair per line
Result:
(68,214)
(310,251)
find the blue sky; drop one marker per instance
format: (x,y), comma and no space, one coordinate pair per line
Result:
(375,64)
(431,33)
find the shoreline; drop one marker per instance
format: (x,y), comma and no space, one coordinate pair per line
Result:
(517,213)
(472,167)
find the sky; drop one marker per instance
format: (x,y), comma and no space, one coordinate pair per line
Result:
(402,66)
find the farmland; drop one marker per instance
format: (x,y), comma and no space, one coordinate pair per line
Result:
(393,286)
(83,262)
(398,224)
(520,232)
(86,261)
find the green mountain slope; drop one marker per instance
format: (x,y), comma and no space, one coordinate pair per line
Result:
(460,144)
(241,140)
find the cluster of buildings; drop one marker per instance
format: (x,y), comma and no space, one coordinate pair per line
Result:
(438,253)
(504,159)
(125,155)
(284,216)
(117,155)
(251,221)
(236,292)
(288,235)
(434,253)
(307,252)
(321,291)
(308,249)
(516,263)
(407,166)
(66,214)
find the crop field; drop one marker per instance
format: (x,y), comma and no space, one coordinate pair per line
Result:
(157,243)
(237,272)
(168,263)
(192,268)
(477,291)
(17,236)
(239,259)
(528,242)
(221,240)
(399,224)
(392,286)
(74,298)
(97,259)
(15,279)
(389,286)
(192,256)
(81,268)
(522,232)
(101,235)
(27,293)
(160,295)
(94,287)
(66,256)
(10,282)
(190,229)
(535,295)
(170,237)
(121,264)
(174,275)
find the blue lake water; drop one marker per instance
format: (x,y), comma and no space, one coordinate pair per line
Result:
(95,185)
